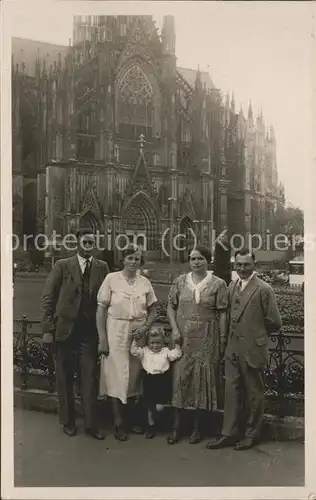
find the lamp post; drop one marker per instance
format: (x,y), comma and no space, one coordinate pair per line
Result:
(50,254)
(268,233)
(171,200)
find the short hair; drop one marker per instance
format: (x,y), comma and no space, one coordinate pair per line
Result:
(156,331)
(206,252)
(245,251)
(84,231)
(130,249)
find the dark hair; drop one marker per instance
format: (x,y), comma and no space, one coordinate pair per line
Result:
(245,251)
(83,231)
(130,249)
(207,254)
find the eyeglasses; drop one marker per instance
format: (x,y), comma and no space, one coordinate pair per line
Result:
(87,243)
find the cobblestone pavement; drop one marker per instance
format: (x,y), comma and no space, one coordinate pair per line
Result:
(45,457)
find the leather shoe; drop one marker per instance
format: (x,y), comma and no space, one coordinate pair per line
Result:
(96,434)
(70,430)
(137,429)
(223,442)
(150,432)
(245,444)
(196,437)
(120,434)
(174,437)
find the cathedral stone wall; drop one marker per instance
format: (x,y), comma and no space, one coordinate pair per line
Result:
(126,141)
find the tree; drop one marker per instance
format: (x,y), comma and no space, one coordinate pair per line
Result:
(289,221)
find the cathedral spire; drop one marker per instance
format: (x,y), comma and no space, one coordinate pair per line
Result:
(198,78)
(168,35)
(227,101)
(198,83)
(232,104)
(272,135)
(250,113)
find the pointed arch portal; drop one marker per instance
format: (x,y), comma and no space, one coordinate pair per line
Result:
(89,220)
(139,221)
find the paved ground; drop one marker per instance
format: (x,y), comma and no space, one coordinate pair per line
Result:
(45,457)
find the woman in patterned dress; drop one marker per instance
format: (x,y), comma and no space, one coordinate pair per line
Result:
(197,306)
(126,303)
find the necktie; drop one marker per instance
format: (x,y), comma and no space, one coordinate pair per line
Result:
(85,299)
(238,291)
(86,273)
(86,276)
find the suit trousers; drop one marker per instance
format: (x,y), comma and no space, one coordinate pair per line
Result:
(244,398)
(79,350)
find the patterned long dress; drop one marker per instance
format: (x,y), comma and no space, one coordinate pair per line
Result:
(197,311)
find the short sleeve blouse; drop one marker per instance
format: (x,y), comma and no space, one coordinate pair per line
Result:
(125,301)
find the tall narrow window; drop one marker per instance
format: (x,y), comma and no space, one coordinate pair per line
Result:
(135,104)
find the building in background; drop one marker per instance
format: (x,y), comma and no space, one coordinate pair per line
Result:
(109,132)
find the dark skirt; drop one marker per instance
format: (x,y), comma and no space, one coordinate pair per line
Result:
(157,389)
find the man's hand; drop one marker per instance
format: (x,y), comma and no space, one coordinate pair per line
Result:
(103,348)
(48,338)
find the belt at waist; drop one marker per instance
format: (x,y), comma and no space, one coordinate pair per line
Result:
(120,318)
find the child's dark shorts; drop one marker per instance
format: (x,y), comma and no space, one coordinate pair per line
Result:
(157,389)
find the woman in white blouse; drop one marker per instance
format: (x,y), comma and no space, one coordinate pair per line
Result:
(126,303)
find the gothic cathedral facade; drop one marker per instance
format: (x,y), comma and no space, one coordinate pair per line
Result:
(109,132)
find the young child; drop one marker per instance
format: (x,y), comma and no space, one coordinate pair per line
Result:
(155,358)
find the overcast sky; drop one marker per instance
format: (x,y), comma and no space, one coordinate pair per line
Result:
(259,50)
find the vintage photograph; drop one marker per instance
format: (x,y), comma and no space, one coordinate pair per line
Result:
(158,160)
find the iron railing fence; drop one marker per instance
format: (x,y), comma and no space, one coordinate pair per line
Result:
(284,375)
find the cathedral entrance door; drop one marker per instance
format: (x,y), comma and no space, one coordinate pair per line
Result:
(139,223)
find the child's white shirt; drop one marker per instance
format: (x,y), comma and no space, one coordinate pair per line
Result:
(155,362)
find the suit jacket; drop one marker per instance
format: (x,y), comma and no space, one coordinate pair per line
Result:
(61,298)
(251,318)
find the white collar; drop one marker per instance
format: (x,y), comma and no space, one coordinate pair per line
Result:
(83,260)
(249,278)
(196,288)
(246,281)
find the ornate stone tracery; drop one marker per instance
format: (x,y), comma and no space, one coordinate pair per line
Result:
(135,102)
(135,87)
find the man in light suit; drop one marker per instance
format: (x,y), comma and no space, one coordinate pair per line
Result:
(69,304)
(253,315)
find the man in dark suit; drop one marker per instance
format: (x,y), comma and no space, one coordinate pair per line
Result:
(69,304)
(253,315)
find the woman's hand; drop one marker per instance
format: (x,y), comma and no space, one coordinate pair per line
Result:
(176,336)
(142,330)
(138,333)
(103,348)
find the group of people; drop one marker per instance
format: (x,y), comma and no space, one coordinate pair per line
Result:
(90,313)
